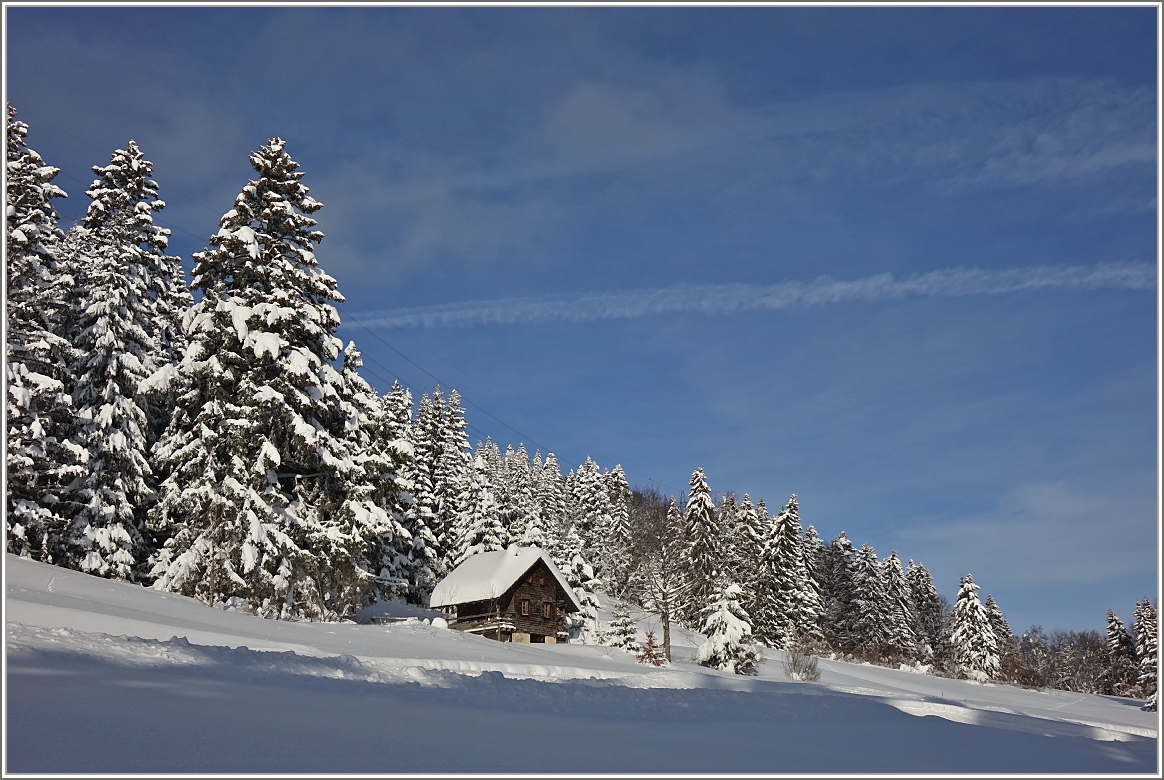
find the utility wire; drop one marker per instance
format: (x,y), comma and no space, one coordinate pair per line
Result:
(159,220)
(173,226)
(478,381)
(438,380)
(482,436)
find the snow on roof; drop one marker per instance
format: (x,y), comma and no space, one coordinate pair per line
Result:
(488,575)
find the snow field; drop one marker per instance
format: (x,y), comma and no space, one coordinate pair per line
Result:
(105,676)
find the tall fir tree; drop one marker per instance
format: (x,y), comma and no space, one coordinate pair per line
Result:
(526,512)
(255,459)
(900,637)
(838,593)
(478,528)
(580,576)
(788,611)
(125,329)
(397,403)
(1123,663)
(617,545)
(975,645)
(423,514)
(728,522)
(748,548)
(551,498)
(451,466)
(814,563)
(868,617)
(704,562)
(929,623)
(592,510)
(41,460)
(377,499)
(999,623)
(1146,650)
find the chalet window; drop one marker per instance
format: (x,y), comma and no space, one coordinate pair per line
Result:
(525,606)
(547,609)
(541,579)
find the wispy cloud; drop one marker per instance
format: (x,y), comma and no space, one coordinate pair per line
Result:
(728,298)
(596,149)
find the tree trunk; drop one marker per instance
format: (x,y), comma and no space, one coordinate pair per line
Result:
(667,635)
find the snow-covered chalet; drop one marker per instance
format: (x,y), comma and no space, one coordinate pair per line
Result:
(511,595)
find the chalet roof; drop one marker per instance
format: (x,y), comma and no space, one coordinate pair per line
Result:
(488,575)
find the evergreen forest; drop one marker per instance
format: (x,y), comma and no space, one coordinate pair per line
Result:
(213,437)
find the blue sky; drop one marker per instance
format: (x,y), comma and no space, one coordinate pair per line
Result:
(582,164)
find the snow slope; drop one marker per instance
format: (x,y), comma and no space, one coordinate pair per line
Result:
(111,677)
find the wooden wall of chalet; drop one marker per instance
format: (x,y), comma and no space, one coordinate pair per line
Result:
(538,586)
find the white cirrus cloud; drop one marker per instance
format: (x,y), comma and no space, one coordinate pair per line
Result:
(729,298)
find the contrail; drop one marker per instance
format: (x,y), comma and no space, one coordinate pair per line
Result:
(726,298)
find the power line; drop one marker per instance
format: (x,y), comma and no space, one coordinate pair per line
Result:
(580,446)
(157,219)
(173,226)
(438,380)
(481,435)
(478,381)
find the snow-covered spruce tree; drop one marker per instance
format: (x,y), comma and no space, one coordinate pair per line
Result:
(478,528)
(1123,664)
(39,412)
(125,329)
(425,455)
(787,611)
(452,463)
(534,534)
(124,199)
(838,594)
(551,498)
(616,546)
(704,563)
(869,608)
(998,622)
(748,548)
(592,512)
(397,405)
(728,628)
(975,646)
(427,558)
(580,577)
(623,632)
(255,461)
(517,497)
(376,503)
(814,563)
(927,610)
(900,639)
(727,520)
(1146,650)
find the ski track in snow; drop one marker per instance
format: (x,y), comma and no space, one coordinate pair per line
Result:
(79,647)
